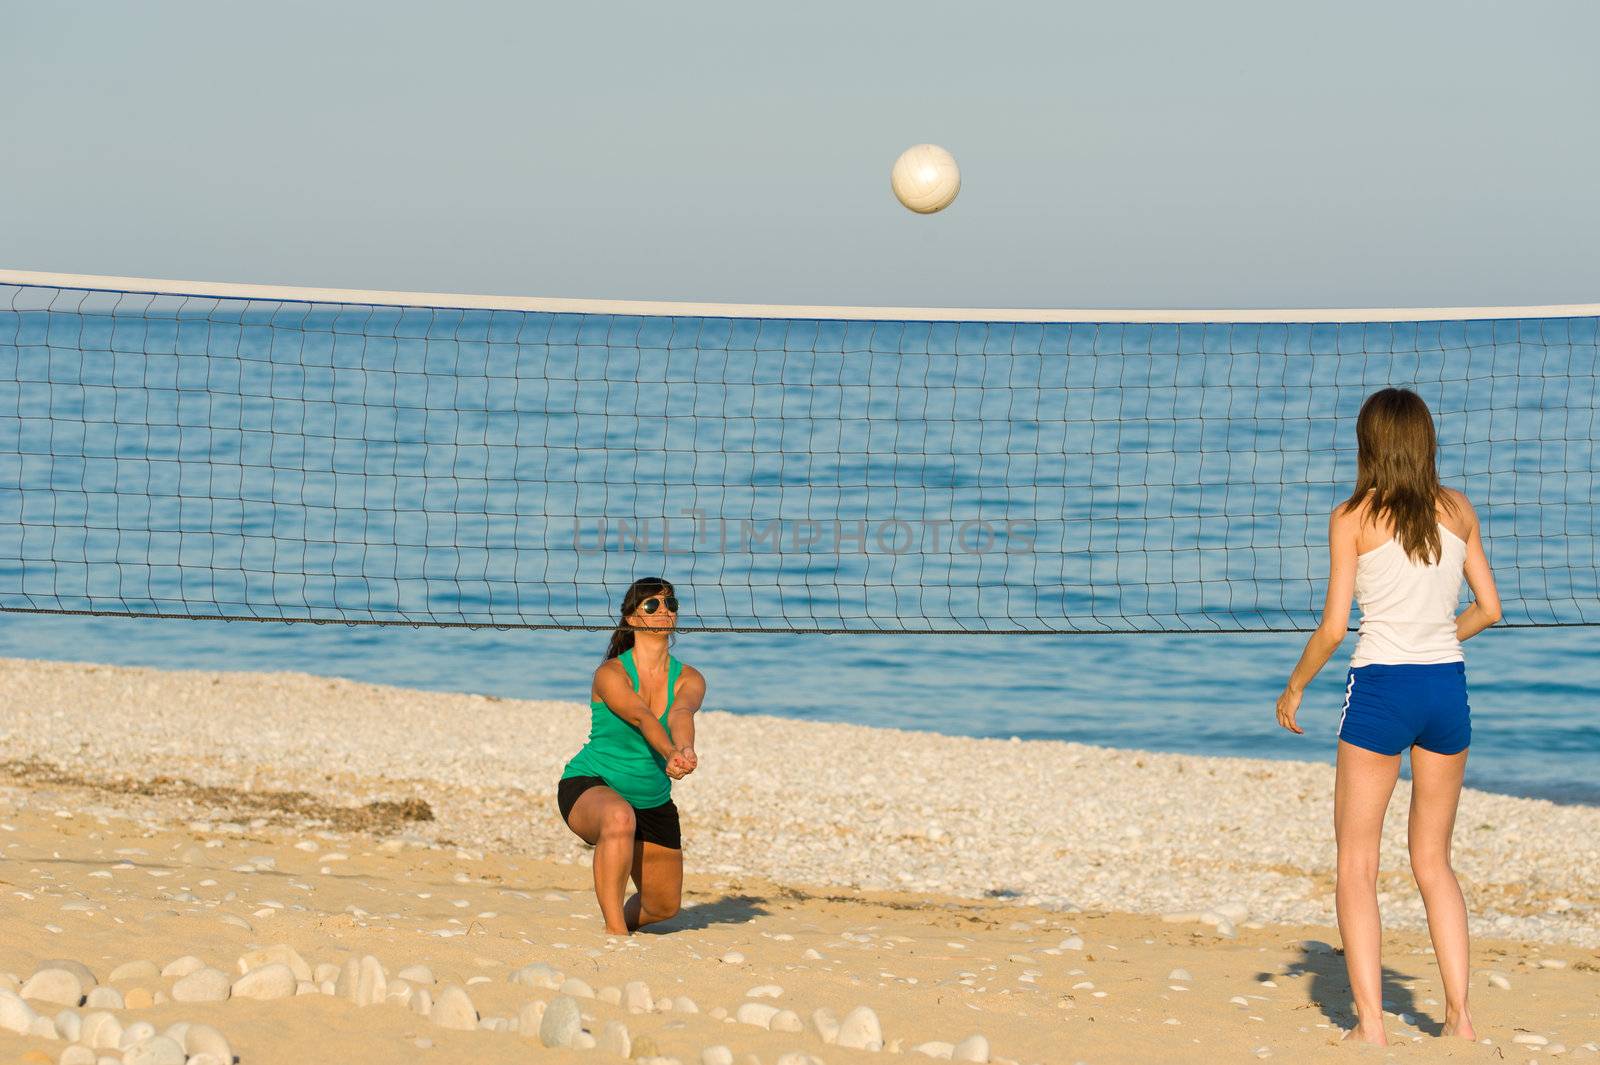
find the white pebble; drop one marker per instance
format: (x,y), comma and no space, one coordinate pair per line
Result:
(203,985)
(756,1013)
(372,986)
(561,1022)
(974,1047)
(135,970)
(860,1030)
(273,981)
(764,991)
(454,1009)
(422,975)
(636,997)
(614,1040)
(786,1021)
(733,957)
(716,1055)
(278,952)
(59,987)
(155,1050)
(136,1032)
(183,966)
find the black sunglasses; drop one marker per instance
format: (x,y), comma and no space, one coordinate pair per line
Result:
(651,605)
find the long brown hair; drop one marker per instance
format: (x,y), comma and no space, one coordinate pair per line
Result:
(638,592)
(1396,473)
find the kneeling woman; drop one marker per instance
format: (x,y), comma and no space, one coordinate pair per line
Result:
(616,793)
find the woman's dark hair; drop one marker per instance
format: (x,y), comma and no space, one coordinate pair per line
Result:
(638,592)
(1395,468)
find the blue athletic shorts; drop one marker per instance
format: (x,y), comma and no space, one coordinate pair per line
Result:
(1388,708)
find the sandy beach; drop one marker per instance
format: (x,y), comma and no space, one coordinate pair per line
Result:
(301,869)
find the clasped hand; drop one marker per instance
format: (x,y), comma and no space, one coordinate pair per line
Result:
(682,763)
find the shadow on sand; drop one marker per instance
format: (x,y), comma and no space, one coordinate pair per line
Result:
(1330,988)
(730,909)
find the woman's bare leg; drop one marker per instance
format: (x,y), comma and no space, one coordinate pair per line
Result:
(1362,786)
(604,820)
(1435,790)
(658,874)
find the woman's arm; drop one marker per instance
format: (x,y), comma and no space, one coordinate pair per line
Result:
(1330,633)
(680,719)
(1484,610)
(616,691)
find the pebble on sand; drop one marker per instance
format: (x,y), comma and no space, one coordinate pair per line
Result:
(614,1040)
(135,970)
(422,976)
(203,985)
(561,1022)
(204,1039)
(272,981)
(860,1030)
(529,1016)
(454,1009)
(636,997)
(154,1050)
(105,998)
(974,1047)
(136,1032)
(537,975)
(183,966)
(278,952)
(825,1024)
(576,988)
(372,987)
(757,1013)
(58,986)
(76,968)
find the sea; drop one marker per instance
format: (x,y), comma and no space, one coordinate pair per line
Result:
(1144,510)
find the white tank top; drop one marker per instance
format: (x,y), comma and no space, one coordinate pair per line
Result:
(1408,608)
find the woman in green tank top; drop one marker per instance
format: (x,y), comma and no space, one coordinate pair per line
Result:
(616,793)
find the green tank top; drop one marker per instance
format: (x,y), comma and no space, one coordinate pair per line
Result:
(617,752)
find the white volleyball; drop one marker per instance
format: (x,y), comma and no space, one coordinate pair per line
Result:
(925,178)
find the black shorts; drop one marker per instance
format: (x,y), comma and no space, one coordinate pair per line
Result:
(654,824)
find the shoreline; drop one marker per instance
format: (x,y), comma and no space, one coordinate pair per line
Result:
(1045,823)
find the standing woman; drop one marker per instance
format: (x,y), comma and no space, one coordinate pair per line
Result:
(616,793)
(1400,545)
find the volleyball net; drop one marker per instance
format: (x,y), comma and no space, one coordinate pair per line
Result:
(207,451)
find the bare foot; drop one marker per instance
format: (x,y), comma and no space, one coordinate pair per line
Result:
(1461,1026)
(1362,1034)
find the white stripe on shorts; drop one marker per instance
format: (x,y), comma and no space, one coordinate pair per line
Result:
(1348,689)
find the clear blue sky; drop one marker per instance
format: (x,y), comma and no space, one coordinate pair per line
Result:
(1427,152)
